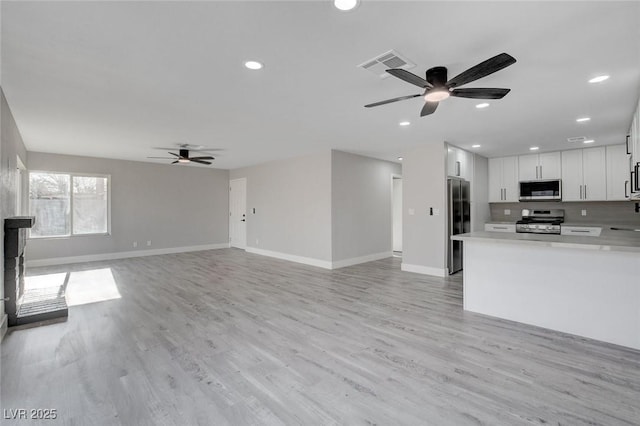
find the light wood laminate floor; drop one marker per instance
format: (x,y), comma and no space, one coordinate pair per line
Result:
(225,337)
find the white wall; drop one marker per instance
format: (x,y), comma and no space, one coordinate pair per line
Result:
(361,206)
(172,206)
(480,211)
(397,215)
(292,202)
(424,187)
(11,146)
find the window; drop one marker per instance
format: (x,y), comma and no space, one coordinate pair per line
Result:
(67,204)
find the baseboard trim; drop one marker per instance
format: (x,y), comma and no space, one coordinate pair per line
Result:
(121,255)
(3,326)
(361,259)
(425,270)
(290,257)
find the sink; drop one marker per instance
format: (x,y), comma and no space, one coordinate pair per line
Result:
(626,229)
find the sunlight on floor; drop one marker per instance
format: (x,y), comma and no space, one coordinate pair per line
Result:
(83,287)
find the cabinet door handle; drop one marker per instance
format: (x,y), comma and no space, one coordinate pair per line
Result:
(632,180)
(581,192)
(457,168)
(585,192)
(540,171)
(627,144)
(636,177)
(626,182)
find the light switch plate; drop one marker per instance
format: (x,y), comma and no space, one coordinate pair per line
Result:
(584,212)
(436,212)
(412,212)
(507,212)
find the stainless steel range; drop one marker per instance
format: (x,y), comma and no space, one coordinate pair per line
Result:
(540,221)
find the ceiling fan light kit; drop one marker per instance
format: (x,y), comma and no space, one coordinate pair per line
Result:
(437,88)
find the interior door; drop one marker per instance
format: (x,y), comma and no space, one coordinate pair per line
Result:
(238,213)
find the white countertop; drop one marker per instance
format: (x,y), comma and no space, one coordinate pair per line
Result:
(609,240)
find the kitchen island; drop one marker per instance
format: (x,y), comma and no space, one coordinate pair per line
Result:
(588,286)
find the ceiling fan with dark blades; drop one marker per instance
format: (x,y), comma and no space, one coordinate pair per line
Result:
(437,88)
(183,155)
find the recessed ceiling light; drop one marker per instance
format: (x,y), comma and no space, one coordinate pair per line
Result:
(482,105)
(589,141)
(404,123)
(253,65)
(400,158)
(582,119)
(599,79)
(475,146)
(534,148)
(345,4)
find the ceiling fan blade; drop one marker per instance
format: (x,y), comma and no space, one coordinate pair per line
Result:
(200,161)
(163,158)
(483,69)
(388,101)
(202,158)
(175,162)
(207,149)
(409,77)
(480,93)
(428,108)
(172,153)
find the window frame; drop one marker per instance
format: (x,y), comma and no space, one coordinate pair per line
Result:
(71,176)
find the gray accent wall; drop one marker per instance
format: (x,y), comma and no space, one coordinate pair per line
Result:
(292,202)
(598,212)
(424,187)
(480,211)
(361,191)
(172,206)
(11,146)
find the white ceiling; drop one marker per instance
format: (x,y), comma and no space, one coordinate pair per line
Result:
(113,79)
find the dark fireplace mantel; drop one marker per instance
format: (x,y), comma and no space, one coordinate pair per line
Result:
(22,308)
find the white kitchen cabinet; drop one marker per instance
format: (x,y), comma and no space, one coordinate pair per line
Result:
(459,163)
(539,166)
(500,227)
(617,172)
(594,166)
(584,174)
(580,231)
(503,180)
(633,145)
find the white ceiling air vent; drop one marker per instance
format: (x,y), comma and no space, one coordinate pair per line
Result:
(577,139)
(391,59)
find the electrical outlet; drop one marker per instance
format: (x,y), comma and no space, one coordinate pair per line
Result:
(135,244)
(412,212)
(507,212)
(149,243)
(436,212)
(584,212)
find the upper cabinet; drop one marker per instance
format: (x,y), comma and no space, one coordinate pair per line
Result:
(539,166)
(584,175)
(633,148)
(459,163)
(618,179)
(503,180)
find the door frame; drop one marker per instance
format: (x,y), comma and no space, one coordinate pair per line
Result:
(243,246)
(391,178)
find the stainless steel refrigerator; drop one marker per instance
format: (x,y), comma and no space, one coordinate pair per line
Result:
(459,212)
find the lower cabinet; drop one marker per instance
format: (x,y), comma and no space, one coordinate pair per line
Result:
(500,227)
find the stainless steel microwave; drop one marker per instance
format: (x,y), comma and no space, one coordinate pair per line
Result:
(541,190)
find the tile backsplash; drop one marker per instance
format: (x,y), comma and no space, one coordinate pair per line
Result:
(598,212)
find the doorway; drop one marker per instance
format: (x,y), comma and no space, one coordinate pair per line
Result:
(238,213)
(396,214)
